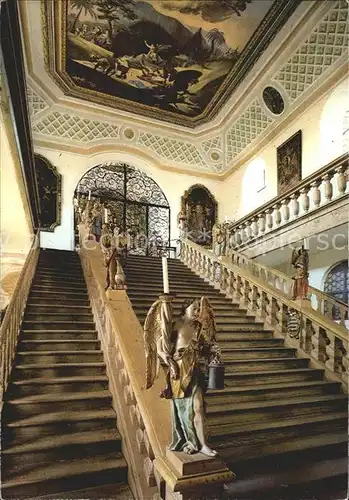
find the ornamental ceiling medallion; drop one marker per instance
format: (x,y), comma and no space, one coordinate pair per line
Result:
(178,60)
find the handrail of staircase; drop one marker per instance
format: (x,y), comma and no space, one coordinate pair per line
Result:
(321,301)
(295,202)
(11,324)
(143,418)
(325,341)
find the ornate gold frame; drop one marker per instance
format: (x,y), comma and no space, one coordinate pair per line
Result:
(51,167)
(188,192)
(54,14)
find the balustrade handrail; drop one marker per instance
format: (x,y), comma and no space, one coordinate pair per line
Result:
(325,342)
(338,329)
(338,162)
(11,323)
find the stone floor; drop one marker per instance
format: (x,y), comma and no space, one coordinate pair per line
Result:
(108,492)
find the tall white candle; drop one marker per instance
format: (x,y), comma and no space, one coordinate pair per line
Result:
(106,215)
(306,243)
(89,195)
(226,218)
(165,275)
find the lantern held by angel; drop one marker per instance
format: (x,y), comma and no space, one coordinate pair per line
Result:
(179,345)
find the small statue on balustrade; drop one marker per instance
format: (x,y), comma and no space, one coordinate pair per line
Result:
(97,220)
(179,345)
(112,260)
(219,239)
(182,224)
(300,261)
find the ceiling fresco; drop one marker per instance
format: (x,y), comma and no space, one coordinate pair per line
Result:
(177,60)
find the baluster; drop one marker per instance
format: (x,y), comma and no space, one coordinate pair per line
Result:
(269,218)
(334,352)
(277,214)
(341,180)
(281,316)
(270,310)
(328,188)
(316,193)
(238,236)
(254,226)
(252,298)
(305,198)
(285,210)
(261,222)
(248,229)
(261,304)
(295,205)
(243,233)
(318,341)
(237,287)
(244,291)
(230,283)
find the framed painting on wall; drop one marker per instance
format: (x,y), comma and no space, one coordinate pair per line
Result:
(289,163)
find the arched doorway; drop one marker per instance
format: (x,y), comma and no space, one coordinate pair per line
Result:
(135,203)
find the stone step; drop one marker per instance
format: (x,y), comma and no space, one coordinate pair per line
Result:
(59,335)
(26,481)
(60,385)
(37,404)
(239,326)
(259,378)
(58,325)
(260,365)
(59,345)
(240,335)
(232,434)
(44,299)
(59,287)
(51,357)
(67,316)
(180,294)
(237,342)
(38,308)
(142,307)
(264,392)
(117,491)
(50,449)
(56,294)
(176,287)
(257,353)
(57,277)
(58,370)
(268,411)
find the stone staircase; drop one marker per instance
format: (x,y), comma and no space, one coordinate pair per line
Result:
(280,425)
(58,425)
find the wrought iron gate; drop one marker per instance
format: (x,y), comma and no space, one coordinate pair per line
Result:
(136,204)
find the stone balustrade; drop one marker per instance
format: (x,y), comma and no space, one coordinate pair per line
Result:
(320,189)
(11,324)
(265,293)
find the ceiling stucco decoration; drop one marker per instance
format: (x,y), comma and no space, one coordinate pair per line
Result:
(173,150)
(35,102)
(327,42)
(178,61)
(63,125)
(246,129)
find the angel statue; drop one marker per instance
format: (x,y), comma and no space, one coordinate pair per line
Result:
(179,345)
(219,236)
(115,274)
(300,261)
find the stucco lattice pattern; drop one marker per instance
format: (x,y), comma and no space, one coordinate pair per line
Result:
(245,129)
(213,143)
(75,128)
(173,150)
(327,42)
(35,102)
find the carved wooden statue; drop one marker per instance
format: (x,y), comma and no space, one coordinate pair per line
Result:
(219,237)
(180,344)
(115,274)
(300,261)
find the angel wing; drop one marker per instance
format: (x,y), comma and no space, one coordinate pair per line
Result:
(206,318)
(152,332)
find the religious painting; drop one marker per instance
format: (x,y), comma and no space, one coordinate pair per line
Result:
(176,58)
(49,187)
(199,210)
(289,163)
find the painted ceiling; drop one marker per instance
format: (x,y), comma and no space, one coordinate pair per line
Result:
(173,60)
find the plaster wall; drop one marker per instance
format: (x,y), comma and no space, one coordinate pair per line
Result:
(15,230)
(73,167)
(324,138)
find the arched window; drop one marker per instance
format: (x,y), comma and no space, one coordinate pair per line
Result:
(336,283)
(135,202)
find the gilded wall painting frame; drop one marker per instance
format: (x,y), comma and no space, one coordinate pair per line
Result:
(58,42)
(50,193)
(289,163)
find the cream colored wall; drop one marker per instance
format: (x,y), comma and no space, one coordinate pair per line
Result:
(323,139)
(74,166)
(15,229)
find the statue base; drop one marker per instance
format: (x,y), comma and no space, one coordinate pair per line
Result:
(112,294)
(195,475)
